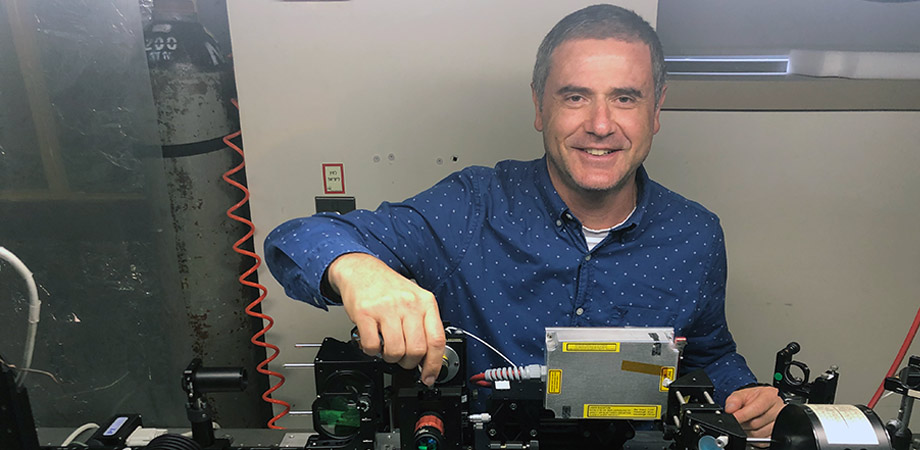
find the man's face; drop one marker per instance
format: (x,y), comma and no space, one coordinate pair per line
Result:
(598,116)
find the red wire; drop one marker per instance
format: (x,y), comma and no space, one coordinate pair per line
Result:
(261,367)
(898,359)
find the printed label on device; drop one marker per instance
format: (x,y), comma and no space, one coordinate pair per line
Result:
(554,381)
(591,347)
(623,411)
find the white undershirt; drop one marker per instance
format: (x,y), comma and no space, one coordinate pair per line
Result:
(594,237)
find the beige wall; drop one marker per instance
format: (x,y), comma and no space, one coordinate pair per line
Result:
(816,206)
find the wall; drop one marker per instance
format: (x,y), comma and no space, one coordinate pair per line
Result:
(395,90)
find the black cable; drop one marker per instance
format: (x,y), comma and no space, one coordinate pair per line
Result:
(173,442)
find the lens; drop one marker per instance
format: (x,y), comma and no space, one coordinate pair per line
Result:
(338,415)
(429,432)
(426,443)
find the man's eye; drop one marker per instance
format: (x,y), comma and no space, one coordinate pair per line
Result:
(625,100)
(574,99)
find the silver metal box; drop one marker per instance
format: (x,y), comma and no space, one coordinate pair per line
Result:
(610,373)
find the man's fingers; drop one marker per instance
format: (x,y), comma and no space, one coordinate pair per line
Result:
(416,347)
(754,402)
(367,332)
(757,425)
(764,420)
(394,342)
(435,340)
(763,432)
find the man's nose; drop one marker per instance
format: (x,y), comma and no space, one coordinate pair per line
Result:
(601,121)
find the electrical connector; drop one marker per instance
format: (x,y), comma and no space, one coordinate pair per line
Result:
(530,372)
(142,436)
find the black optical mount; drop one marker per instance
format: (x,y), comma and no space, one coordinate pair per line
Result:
(197,381)
(795,389)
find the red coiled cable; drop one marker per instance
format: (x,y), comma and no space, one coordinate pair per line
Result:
(911,333)
(262,367)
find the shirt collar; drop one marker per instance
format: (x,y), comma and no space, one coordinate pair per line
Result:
(559,211)
(551,199)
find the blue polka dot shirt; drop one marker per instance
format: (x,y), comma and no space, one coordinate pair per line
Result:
(505,258)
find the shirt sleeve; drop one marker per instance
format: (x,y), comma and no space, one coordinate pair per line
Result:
(710,345)
(421,238)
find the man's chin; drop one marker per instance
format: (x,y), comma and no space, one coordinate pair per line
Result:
(597,188)
(600,186)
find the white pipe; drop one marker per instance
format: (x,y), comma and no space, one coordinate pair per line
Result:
(34,310)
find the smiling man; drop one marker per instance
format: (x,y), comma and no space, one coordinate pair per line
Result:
(580,237)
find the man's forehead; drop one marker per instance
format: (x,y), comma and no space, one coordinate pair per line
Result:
(636,45)
(579,62)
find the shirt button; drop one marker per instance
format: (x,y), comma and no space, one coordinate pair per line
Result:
(558,223)
(587,257)
(579,311)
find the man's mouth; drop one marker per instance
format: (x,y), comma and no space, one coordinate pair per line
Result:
(597,151)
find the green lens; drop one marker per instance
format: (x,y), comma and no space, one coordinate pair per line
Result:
(339,417)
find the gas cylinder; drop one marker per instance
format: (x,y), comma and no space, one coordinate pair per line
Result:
(192,83)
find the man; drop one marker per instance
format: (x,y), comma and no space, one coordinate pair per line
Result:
(581,237)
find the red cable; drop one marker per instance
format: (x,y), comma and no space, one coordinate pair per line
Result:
(898,359)
(261,368)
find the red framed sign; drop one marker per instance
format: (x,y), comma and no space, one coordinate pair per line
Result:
(334,178)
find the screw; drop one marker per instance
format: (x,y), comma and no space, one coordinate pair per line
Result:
(391,156)
(492,432)
(439,161)
(533,433)
(513,406)
(376,158)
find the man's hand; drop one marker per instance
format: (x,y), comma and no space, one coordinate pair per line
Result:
(382,302)
(755,409)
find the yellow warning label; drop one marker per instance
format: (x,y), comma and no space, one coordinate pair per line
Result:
(606,347)
(554,381)
(667,376)
(623,411)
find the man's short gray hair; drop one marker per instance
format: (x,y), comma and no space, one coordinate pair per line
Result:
(599,22)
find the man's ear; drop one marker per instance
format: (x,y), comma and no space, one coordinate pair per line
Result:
(538,121)
(664,91)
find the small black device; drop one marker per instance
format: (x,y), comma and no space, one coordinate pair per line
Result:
(115,432)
